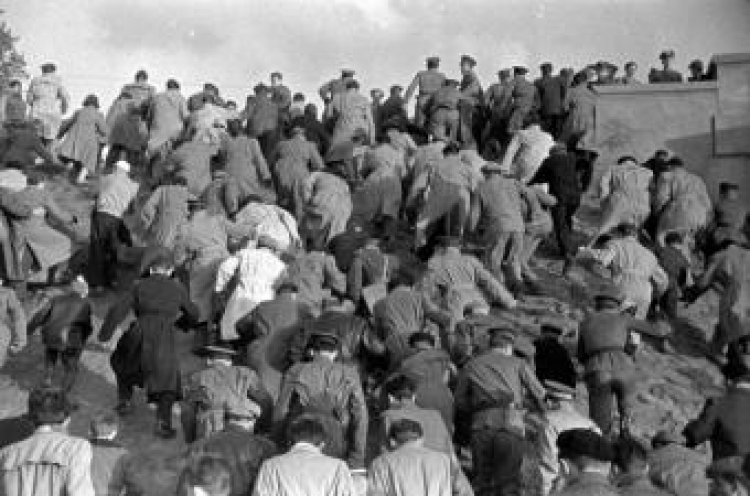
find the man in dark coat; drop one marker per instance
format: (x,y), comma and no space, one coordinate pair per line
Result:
(666,74)
(332,392)
(551,95)
(242,449)
(393,109)
(268,331)
(263,120)
(471,104)
(560,172)
(427,82)
(723,421)
(158,301)
(66,326)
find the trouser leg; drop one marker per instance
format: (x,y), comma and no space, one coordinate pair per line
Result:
(71,364)
(164,408)
(600,402)
(50,360)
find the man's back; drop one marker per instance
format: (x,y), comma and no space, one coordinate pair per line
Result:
(436,435)
(304,471)
(411,470)
(46,464)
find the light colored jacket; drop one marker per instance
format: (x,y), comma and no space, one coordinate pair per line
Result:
(46,464)
(304,471)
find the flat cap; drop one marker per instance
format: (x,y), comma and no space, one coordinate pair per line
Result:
(48,67)
(666,54)
(520,70)
(434,59)
(503,72)
(584,442)
(468,59)
(546,65)
(347,72)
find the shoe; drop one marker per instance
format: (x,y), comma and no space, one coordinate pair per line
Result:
(164,431)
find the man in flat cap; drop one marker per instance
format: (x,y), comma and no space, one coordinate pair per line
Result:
(525,99)
(48,101)
(238,444)
(604,337)
(551,90)
(491,390)
(210,390)
(426,83)
(498,99)
(589,458)
(394,108)
(666,74)
(332,392)
(729,219)
(561,416)
(605,73)
(280,94)
(442,111)
(470,106)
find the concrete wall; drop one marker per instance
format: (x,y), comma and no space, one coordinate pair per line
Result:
(707,124)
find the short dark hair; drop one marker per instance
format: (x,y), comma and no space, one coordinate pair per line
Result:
(405,430)
(210,472)
(141,75)
(433,63)
(172,84)
(306,429)
(104,424)
(421,337)
(630,455)
(48,405)
(401,387)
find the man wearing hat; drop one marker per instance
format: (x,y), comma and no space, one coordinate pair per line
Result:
(12,105)
(497,206)
(394,108)
(471,103)
(729,219)
(167,115)
(604,335)
(635,269)
(108,231)
(457,282)
(442,111)
(376,97)
(525,98)
(266,335)
(605,73)
(237,443)
(451,183)
(491,389)
(499,99)
(681,200)
(50,458)
(349,111)
(281,95)
(589,459)
(331,391)
(551,95)
(257,269)
(66,324)
(49,101)
(316,274)
(263,118)
(697,73)
(675,467)
(561,416)
(666,74)
(211,391)
(630,74)
(722,422)
(140,90)
(427,82)
(335,86)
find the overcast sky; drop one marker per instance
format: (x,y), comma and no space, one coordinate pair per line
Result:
(99,44)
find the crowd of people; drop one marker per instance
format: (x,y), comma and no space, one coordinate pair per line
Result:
(348,279)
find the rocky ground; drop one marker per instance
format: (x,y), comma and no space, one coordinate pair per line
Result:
(671,387)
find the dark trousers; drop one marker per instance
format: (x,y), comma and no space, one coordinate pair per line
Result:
(268,141)
(605,387)
(497,458)
(562,220)
(552,124)
(108,233)
(70,358)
